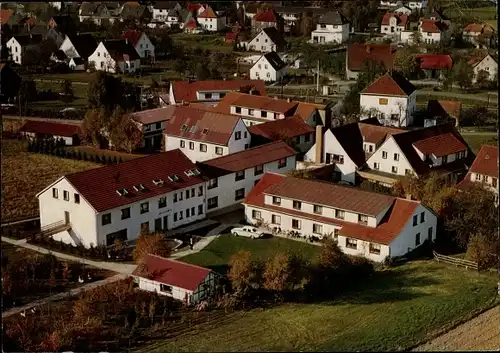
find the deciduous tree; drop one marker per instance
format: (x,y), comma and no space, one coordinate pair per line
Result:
(125,134)
(94,126)
(405,62)
(463,74)
(154,244)
(277,273)
(241,271)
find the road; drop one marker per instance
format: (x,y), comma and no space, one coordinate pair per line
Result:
(62,121)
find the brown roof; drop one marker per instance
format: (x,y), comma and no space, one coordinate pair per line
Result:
(486,161)
(305,110)
(377,134)
(5,15)
(398,215)
(255,102)
(284,128)
(433,26)
(401,19)
(478,28)
(391,84)
(332,195)
(208,13)
(99,186)
(267,16)
(152,115)
(210,127)
(186,91)
(50,128)
(172,272)
(440,145)
(246,159)
(444,108)
(358,53)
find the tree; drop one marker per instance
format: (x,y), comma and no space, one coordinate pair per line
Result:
(94,126)
(482,79)
(416,38)
(331,259)
(154,244)
(405,62)
(202,72)
(277,273)
(124,134)
(105,91)
(180,66)
(67,88)
(241,271)
(463,74)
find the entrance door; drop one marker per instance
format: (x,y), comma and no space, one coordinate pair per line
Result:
(157,224)
(165,223)
(66,217)
(328,158)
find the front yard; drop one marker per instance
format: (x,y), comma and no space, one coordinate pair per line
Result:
(482,138)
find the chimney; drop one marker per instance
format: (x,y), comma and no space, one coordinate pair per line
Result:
(288,100)
(368,49)
(319,144)
(408,197)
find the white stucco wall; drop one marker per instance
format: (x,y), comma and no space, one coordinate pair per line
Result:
(153,286)
(68,48)
(266,74)
(103,62)
(16,50)
(261,43)
(391,147)
(144,47)
(403,106)
(489,65)
(429,37)
(330,34)
(213,24)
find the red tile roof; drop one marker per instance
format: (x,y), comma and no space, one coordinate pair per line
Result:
(433,61)
(444,108)
(98,186)
(191,24)
(486,161)
(186,91)
(432,26)
(358,53)
(479,28)
(5,15)
(255,102)
(218,127)
(172,273)
(208,13)
(50,128)
(391,84)
(152,115)
(305,110)
(282,128)
(440,145)
(231,36)
(266,16)
(193,7)
(246,159)
(401,19)
(320,193)
(377,134)
(399,212)
(132,36)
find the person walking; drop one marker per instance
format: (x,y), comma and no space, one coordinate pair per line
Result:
(191,242)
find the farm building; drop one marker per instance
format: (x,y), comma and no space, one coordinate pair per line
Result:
(44,129)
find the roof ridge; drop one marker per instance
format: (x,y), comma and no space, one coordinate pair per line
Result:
(180,262)
(249,149)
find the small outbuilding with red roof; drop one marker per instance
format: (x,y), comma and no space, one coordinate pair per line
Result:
(179,280)
(39,130)
(432,65)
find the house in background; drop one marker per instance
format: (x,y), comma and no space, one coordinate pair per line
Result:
(363,223)
(151,122)
(158,192)
(391,98)
(79,46)
(97,13)
(358,54)
(434,64)
(179,280)
(211,21)
(403,10)
(209,92)
(267,40)
(394,23)
(19,45)
(191,25)
(133,11)
(266,19)
(114,56)
(478,34)
(484,170)
(162,8)
(202,135)
(434,31)
(445,110)
(41,130)
(232,177)
(485,64)
(269,67)
(332,27)
(176,18)
(141,43)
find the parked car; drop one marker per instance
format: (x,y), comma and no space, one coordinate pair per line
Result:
(247,231)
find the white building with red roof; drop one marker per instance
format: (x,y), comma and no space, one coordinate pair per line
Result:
(141,43)
(358,54)
(363,223)
(204,135)
(179,280)
(478,34)
(394,23)
(211,21)
(484,171)
(433,31)
(154,193)
(332,27)
(117,55)
(391,98)
(39,130)
(485,64)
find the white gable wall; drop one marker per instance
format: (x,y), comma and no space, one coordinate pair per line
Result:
(144,47)
(244,142)
(16,50)
(385,164)
(261,43)
(266,71)
(489,65)
(69,49)
(403,107)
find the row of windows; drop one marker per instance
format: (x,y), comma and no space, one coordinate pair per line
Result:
(189,212)
(189,193)
(55,194)
(149,127)
(394,169)
(263,113)
(317,209)
(485,178)
(203,147)
(209,96)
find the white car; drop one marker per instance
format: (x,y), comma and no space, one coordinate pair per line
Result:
(247,231)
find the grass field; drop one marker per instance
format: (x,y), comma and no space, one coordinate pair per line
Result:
(212,42)
(486,14)
(393,310)
(25,174)
(476,140)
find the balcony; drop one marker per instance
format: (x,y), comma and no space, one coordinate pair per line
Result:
(54,228)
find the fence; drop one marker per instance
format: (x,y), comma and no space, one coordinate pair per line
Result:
(455,261)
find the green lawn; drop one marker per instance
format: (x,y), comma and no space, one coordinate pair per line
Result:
(394,310)
(212,42)
(476,140)
(487,14)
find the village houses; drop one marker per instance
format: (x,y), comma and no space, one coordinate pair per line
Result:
(357,54)
(116,55)
(393,23)
(269,67)
(78,48)
(266,19)
(267,40)
(18,46)
(162,8)
(485,64)
(433,31)
(211,21)
(478,34)
(363,223)
(332,27)
(141,43)
(151,123)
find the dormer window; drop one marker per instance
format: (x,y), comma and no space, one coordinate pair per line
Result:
(139,187)
(122,192)
(184,127)
(173,178)
(276,201)
(158,182)
(205,131)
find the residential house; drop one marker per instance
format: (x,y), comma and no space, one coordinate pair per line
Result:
(269,67)
(96,12)
(203,135)
(445,110)
(267,40)
(179,280)
(403,10)
(79,46)
(267,18)
(363,223)
(358,54)
(394,23)
(115,55)
(478,34)
(419,4)
(161,9)
(158,192)
(231,37)
(176,18)
(293,130)
(209,92)
(152,123)
(196,8)
(211,21)
(191,25)
(391,98)
(484,170)
(231,177)
(418,152)
(141,43)
(133,11)
(18,46)
(332,27)
(485,64)
(433,31)
(9,92)
(55,35)
(348,147)
(433,65)
(41,130)
(294,15)
(77,64)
